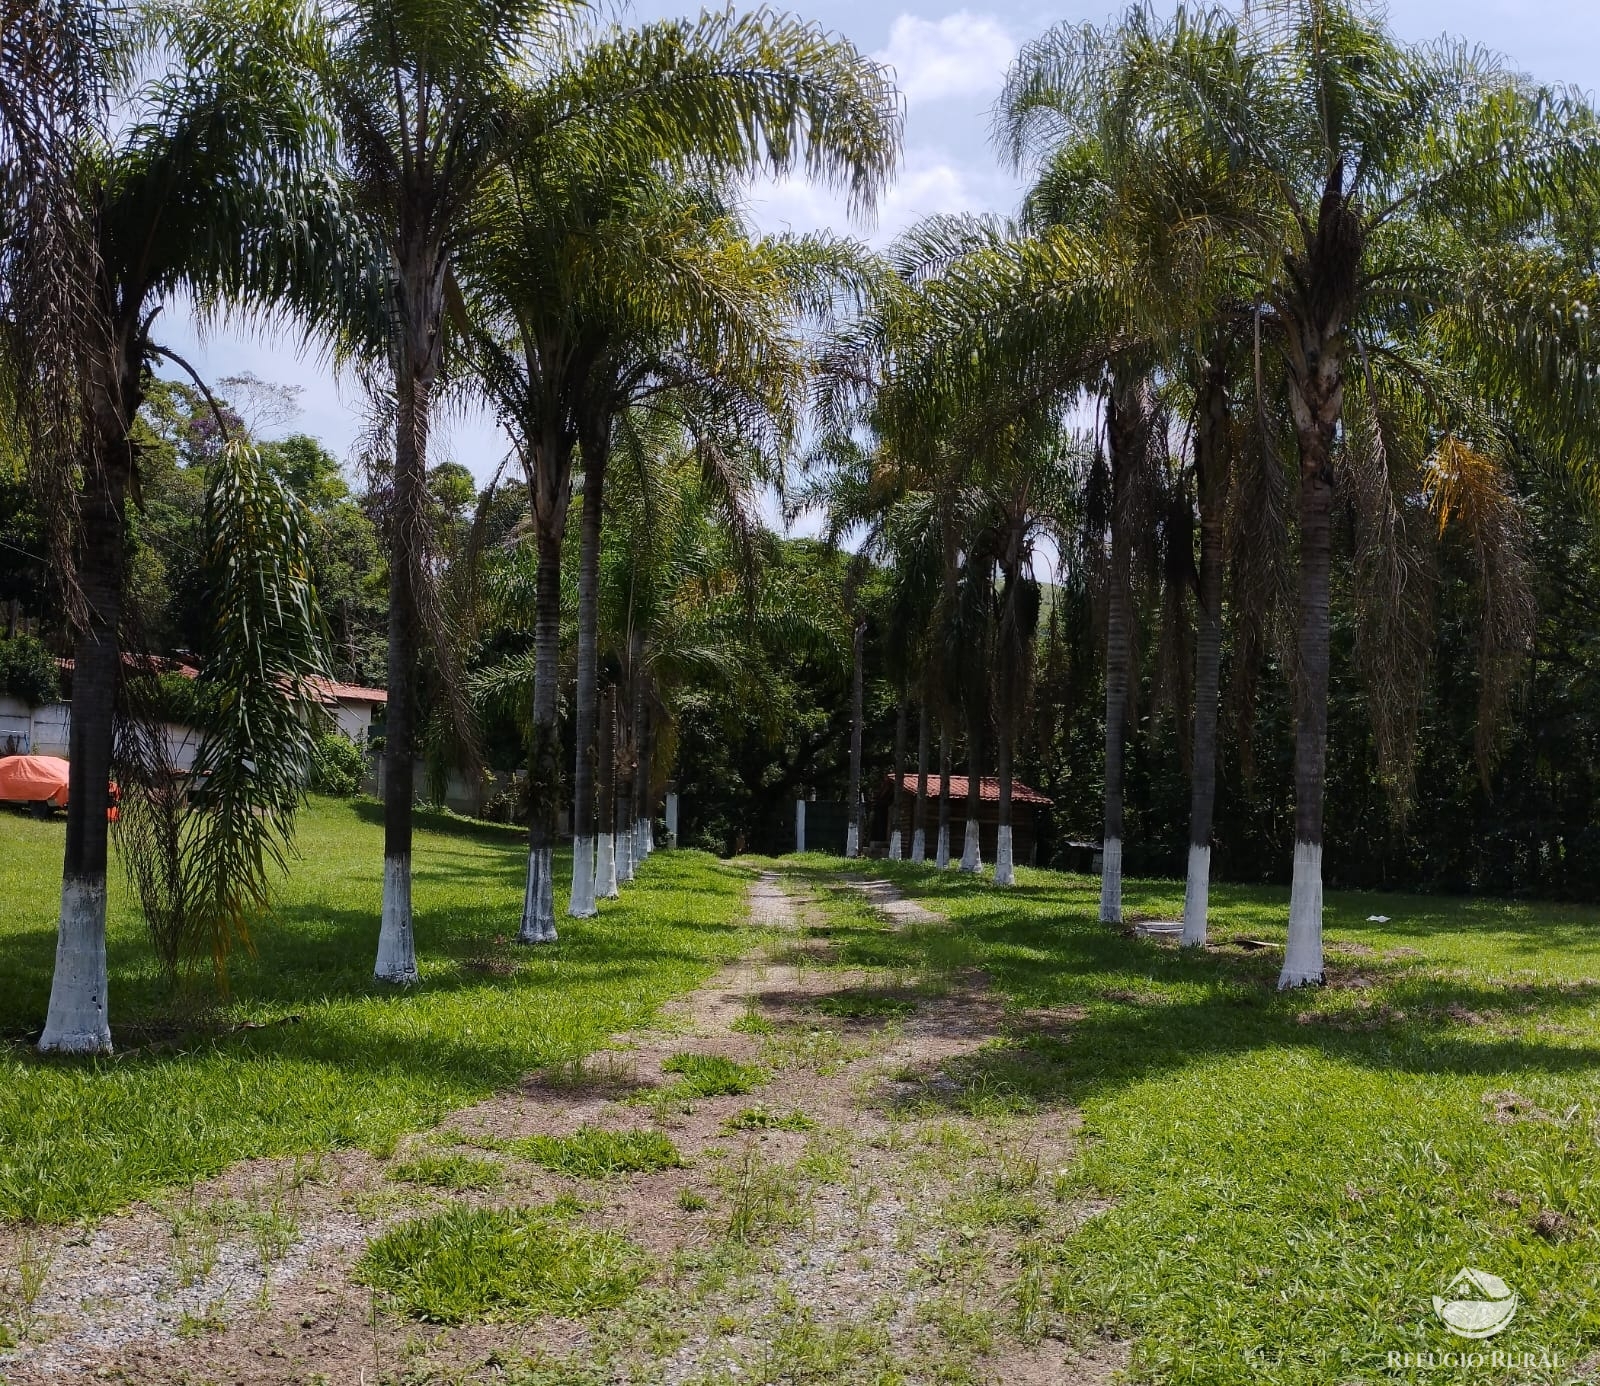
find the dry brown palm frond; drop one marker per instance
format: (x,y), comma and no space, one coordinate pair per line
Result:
(1469,491)
(1394,582)
(1259,559)
(52,97)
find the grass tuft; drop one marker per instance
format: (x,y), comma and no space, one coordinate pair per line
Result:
(864,1003)
(711,1075)
(758,1118)
(467,1265)
(594,1153)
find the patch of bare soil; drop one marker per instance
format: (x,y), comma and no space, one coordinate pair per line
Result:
(867,1206)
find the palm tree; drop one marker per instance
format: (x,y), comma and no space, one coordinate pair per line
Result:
(660,291)
(210,188)
(1374,180)
(202,865)
(426,97)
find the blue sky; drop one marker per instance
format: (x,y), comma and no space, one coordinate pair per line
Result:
(949,63)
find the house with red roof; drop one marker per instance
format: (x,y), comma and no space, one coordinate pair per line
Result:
(1028,808)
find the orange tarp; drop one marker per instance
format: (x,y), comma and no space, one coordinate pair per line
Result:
(31,779)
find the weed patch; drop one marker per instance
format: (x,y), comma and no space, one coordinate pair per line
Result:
(711,1075)
(594,1153)
(480,1264)
(760,1119)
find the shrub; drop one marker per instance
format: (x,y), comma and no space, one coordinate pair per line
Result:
(174,698)
(337,766)
(29,671)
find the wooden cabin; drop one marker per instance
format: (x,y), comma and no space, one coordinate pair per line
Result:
(1027,808)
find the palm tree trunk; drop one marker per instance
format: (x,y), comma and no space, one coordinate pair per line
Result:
(641,759)
(626,759)
(942,846)
(1125,429)
(1211,461)
(581,903)
(605,875)
(971,846)
(1302,959)
(899,765)
(1118,657)
(544,771)
(919,840)
(852,832)
(78,1019)
(397,958)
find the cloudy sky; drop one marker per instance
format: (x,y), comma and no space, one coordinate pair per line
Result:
(949,64)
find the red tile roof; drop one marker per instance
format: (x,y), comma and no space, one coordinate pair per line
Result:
(348,692)
(988,789)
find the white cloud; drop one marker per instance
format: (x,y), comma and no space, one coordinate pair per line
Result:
(929,183)
(963,54)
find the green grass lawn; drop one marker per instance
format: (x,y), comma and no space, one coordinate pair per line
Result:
(1292,1177)
(338,1060)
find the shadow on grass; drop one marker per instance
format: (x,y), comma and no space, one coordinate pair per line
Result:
(1094,1010)
(312,961)
(445,823)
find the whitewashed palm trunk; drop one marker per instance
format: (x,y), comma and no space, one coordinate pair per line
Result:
(397,949)
(78,1020)
(1004,872)
(1212,463)
(971,846)
(580,904)
(799,825)
(539,898)
(971,849)
(1196,896)
(897,798)
(544,772)
(1127,428)
(605,852)
(1111,881)
(1302,959)
(852,839)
